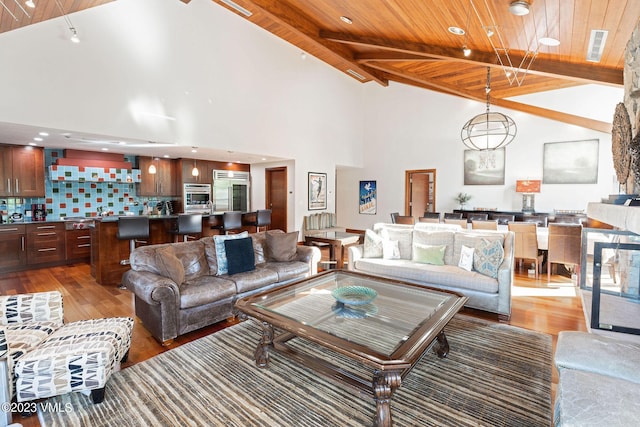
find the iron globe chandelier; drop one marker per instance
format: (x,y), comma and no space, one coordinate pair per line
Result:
(488,130)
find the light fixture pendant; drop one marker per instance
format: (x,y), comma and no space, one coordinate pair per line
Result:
(30,3)
(489,130)
(195,171)
(519,7)
(152,167)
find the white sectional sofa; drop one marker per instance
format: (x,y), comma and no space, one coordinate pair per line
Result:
(423,246)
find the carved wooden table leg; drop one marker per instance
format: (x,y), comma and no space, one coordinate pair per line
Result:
(442,346)
(266,342)
(384,383)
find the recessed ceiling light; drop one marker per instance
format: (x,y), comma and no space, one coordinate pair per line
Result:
(346,19)
(457,31)
(37,138)
(43,133)
(519,8)
(466,51)
(549,41)
(105,149)
(33,144)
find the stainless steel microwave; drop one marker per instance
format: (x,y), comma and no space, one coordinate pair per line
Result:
(197,198)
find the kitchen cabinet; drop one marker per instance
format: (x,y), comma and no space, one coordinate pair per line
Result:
(205,169)
(78,243)
(161,183)
(12,247)
(45,243)
(22,173)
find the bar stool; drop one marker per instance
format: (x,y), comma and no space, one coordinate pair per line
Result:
(263,219)
(231,222)
(132,228)
(187,225)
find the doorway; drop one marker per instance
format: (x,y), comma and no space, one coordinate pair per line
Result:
(276,196)
(420,192)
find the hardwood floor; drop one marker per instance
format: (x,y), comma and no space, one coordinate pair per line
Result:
(537,305)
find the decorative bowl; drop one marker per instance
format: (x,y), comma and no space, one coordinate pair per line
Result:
(360,312)
(354,295)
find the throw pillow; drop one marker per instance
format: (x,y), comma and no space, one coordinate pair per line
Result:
(372,245)
(282,246)
(221,253)
(487,257)
(427,254)
(390,249)
(169,265)
(466,258)
(240,256)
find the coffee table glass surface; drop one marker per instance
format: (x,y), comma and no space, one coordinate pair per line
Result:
(364,311)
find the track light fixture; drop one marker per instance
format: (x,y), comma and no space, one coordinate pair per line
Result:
(74,33)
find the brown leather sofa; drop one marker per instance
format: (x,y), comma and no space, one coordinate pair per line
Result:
(179,287)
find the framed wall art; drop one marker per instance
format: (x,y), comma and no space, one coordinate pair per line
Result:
(368,198)
(573,162)
(484,167)
(317,191)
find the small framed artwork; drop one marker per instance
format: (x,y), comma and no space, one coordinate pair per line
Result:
(368,198)
(573,162)
(484,167)
(317,191)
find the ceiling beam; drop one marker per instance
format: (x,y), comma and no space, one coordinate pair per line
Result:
(571,119)
(294,23)
(542,66)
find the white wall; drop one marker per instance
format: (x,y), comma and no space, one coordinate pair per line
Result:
(229,84)
(410,128)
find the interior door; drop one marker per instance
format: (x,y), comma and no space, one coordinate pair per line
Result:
(276,196)
(420,192)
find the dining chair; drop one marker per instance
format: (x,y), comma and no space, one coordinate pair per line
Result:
(453,215)
(503,219)
(565,247)
(526,243)
(461,222)
(484,225)
(428,219)
(477,216)
(405,219)
(540,220)
(432,215)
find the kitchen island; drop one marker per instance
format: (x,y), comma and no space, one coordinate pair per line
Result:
(107,250)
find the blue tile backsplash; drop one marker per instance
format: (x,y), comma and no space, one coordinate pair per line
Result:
(77,198)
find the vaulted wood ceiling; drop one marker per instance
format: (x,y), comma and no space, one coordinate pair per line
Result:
(408,41)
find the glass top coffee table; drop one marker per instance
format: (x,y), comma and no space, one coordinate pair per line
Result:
(383,325)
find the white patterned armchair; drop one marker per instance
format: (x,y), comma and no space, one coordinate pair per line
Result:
(38,351)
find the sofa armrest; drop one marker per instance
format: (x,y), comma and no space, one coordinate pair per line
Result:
(354,254)
(506,275)
(152,288)
(34,307)
(311,255)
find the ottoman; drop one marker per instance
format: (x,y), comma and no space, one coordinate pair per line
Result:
(79,356)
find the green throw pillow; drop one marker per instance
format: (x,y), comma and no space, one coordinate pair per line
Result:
(427,254)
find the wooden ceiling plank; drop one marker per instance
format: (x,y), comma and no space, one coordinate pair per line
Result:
(512,105)
(298,24)
(392,57)
(541,65)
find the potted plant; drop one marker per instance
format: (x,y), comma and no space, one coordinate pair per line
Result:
(463,198)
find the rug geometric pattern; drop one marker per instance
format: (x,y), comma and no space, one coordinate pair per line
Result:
(495,375)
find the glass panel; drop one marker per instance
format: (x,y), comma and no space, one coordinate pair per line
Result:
(611,270)
(381,325)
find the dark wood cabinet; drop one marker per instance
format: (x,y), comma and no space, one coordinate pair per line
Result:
(78,243)
(13,251)
(45,243)
(22,173)
(161,183)
(205,171)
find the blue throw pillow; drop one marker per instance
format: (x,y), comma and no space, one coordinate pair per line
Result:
(240,256)
(487,257)
(221,253)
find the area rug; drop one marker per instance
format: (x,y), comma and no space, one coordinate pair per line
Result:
(495,375)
